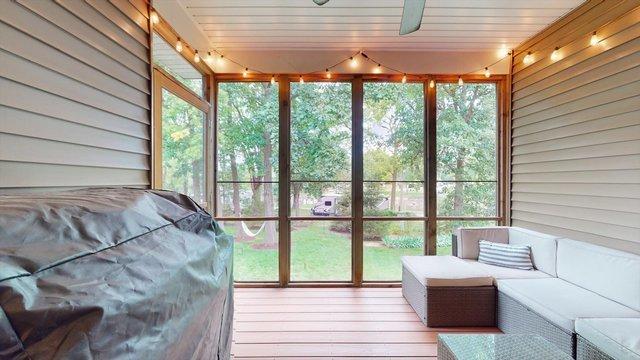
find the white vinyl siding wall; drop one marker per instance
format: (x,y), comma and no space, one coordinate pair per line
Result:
(576,128)
(74,94)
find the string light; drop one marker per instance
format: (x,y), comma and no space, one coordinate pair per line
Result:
(353,61)
(594,39)
(555,55)
(154,17)
(273,80)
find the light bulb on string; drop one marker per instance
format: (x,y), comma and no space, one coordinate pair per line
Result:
(353,61)
(487,73)
(555,55)
(460,81)
(301,80)
(179,45)
(209,58)
(528,59)
(594,39)
(196,57)
(154,17)
(432,84)
(328,74)
(377,69)
(245,73)
(221,60)
(273,80)
(404,78)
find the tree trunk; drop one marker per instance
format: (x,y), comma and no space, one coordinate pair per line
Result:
(392,199)
(270,238)
(236,197)
(296,199)
(400,196)
(458,190)
(458,185)
(195,175)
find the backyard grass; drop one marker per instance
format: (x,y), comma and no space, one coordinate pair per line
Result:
(319,254)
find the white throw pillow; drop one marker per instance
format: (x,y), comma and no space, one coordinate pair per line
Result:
(505,255)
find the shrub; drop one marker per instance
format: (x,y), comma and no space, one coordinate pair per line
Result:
(403,241)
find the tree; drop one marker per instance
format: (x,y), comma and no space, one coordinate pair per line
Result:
(320,137)
(182,147)
(394,135)
(248,138)
(466,152)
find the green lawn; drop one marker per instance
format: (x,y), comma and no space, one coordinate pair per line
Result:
(319,254)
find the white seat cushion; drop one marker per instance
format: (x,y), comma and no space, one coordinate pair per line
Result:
(618,338)
(543,247)
(499,272)
(441,271)
(611,273)
(561,302)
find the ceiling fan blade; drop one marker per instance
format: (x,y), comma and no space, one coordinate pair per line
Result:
(411,16)
(320,2)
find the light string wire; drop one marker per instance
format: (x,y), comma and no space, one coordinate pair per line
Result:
(554,57)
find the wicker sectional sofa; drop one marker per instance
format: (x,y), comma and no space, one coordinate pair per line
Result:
(572,282)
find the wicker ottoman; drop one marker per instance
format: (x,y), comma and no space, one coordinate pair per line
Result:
(446,291)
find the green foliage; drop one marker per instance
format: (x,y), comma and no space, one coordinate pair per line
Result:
(403,241)
(466,149)
(182,147)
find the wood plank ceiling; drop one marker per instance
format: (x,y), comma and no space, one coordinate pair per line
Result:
(463,25)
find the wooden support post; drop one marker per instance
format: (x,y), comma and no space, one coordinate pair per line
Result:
(430,168)
(284,235)
(357,176)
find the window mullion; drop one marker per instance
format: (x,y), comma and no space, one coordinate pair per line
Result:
(357,176)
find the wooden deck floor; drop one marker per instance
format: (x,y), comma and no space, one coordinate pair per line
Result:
(331,323)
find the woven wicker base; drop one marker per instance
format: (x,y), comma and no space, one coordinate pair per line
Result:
(587,351)
(515,318)
(450,306)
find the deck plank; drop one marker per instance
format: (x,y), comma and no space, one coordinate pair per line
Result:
(331,323)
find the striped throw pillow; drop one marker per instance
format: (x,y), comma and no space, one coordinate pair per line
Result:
(511,256)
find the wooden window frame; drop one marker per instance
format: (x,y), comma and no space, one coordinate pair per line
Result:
(430,217)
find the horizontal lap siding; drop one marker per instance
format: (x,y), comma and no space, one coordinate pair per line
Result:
(575,165)
(75,100)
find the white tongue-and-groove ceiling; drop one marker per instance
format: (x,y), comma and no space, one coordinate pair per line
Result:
(447,25)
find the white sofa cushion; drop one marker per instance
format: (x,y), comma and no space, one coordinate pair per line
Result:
(617,337)
(468,238)
(561,302)
(441,271)
(543,247)
(611,273)
(499,272)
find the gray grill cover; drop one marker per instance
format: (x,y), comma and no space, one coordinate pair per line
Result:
(113,274)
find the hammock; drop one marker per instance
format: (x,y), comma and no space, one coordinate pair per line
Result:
(248,232)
